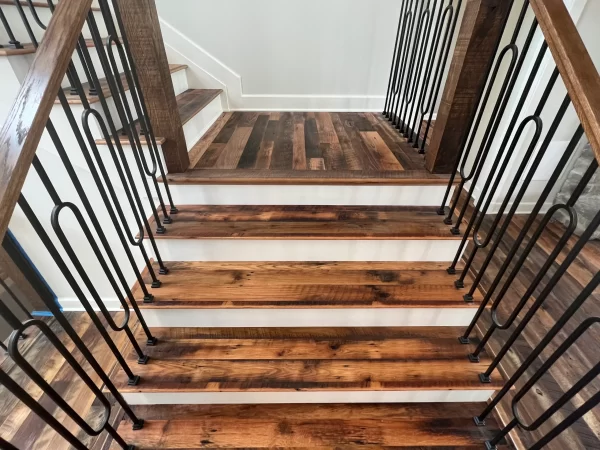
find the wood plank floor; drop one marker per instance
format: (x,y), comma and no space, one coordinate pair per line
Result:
(307,222)
(232,360)
(19,425)
(307,141)
(323,427)
(583,355)
(303,284)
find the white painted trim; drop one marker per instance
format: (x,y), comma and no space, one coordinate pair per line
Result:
(315,317)
(213,73)
(199,194)
(198,125)
(225,398)
(305,250)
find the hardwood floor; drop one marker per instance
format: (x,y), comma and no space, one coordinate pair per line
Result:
(583,355)
(303,284)
(25,430)
(322,427)
(307,141)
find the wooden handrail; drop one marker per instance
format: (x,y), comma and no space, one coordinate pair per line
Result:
(574,64)
(24,126)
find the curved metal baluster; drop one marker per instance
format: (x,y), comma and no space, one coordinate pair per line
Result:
(23,364)
(146,123)
(395,61)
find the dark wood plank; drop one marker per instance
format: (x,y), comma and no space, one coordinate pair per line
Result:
(368,160)
(198,150)
(26,121)
(350,157)
(482,26)
(312,140)
(282,157)
(250,153)
(148,51)
(231,153)
(306,222)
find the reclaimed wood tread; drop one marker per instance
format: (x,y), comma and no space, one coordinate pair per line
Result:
(308,177)
(226,360)
(321,426)
(235,285)
(188,103)
(307,223)
(29,48)
(76,100)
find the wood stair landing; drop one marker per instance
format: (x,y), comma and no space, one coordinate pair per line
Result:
(189,103)
(193,284)
(187,361)
(308,223)
(323,427)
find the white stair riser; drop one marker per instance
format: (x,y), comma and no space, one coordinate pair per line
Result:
(189,194)
(305,250)
(180,81)
(313,317)
(225,398)
(195,128)
(18,28)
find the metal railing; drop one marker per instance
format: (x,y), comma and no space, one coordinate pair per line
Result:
(426,32)
(121,202)
(496,172)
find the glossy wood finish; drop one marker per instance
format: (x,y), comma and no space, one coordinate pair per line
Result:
(23,128)
(150,57)
(482,26)
(347,363)
(309,141)
(19,424)
(575,64)
(323,427)
(189,103)
(307,222)
(193,284)
(582,356)
(76,100)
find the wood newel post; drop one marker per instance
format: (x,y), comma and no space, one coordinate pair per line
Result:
(480,31)
(140,20)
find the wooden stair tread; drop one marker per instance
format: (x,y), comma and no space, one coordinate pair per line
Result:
(353,426)
(192,284)
(29,48)
(189,102)
(76,100)
(309,177)
(308,223)
(192,101)
(211,365)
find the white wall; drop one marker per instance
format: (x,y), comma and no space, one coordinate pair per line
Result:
(273,54)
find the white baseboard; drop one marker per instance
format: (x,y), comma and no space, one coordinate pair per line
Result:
(225,398)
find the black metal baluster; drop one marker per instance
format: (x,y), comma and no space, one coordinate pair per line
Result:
(48,298)
(503,96)
(60,263)
(403,54)
(162,268)
(437,79)
(146,124)
(5,445)
(12,40)
(23,364)
(495,124)
(516,202)
(523,233)
(121,105)
(394,67)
